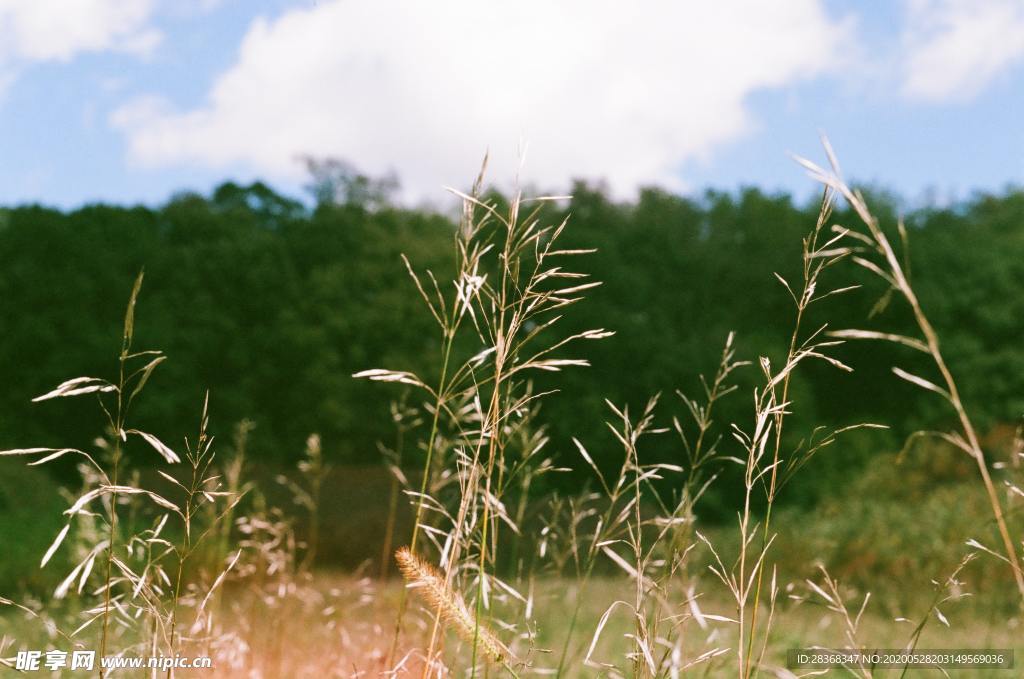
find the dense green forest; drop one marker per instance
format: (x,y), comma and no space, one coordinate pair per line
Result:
(272,304)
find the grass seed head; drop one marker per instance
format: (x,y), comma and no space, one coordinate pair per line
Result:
(449,604)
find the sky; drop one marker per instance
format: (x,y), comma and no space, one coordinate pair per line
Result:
(131,101)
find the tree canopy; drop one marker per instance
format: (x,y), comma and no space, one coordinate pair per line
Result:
(272,305)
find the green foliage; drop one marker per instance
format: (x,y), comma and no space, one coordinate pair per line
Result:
(902,519)
(30,515)
(273,305)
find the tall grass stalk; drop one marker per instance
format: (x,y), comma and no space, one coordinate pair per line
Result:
(120,412)
(449,317)
(135,586)
(655,565)
(893,272)
(766,465)
(508,290)
(816,257)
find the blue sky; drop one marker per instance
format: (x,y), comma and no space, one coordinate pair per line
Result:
(132,100)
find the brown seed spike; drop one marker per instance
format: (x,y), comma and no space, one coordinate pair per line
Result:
(449,604)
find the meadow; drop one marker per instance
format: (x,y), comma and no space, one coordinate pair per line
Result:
(688,533)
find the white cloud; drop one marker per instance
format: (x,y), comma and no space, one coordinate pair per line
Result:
(57,30)
(625,91)
(957,47)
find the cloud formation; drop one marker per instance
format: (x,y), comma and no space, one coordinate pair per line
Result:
(597,88)
(57,30)
(957,47)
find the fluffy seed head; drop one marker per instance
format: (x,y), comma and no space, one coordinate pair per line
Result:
(449,604)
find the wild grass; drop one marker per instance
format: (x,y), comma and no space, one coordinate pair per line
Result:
(622,578)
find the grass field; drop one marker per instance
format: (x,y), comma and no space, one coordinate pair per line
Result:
(800,624)
(339,626)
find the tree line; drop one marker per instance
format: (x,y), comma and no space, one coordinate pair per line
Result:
(272,304)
